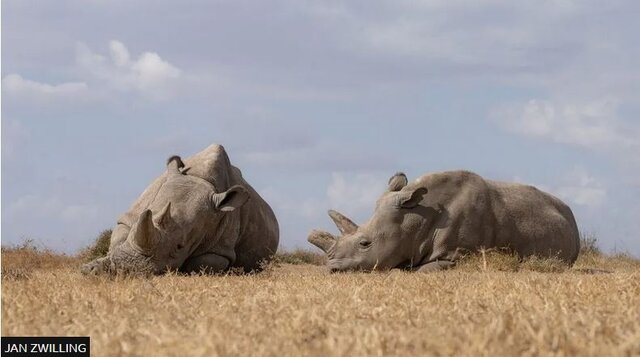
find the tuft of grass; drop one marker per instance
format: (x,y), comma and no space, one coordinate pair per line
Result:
(489,260)
(299,256)
(99,248)
(589,244)
(544,264)
(616,262)
(16,273)
(590,260)
(503,260)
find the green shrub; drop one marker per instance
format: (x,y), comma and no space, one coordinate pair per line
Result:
(100,247)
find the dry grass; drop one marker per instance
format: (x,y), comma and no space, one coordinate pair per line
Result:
(19,262)
(300,256)
(489,305)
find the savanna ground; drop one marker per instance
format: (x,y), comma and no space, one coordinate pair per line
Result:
(489,305)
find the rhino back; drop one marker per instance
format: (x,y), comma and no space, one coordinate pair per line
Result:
(465,220)
(479,213)
(534,222)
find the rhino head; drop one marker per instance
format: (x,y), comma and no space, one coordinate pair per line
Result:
(385,241)
(165,234)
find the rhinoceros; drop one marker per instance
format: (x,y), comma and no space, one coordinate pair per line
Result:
(199,215)
(426,225)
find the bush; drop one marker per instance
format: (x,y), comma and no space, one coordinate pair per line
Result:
(99,248)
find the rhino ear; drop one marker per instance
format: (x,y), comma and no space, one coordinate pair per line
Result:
(397,182)
(174,165)
(410,199)
(163,218)
(144,233)
(227,201)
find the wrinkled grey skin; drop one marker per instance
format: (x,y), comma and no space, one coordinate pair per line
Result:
(199,215)
(426,224)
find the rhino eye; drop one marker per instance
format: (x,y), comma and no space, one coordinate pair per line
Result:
(180,246)
(365,243)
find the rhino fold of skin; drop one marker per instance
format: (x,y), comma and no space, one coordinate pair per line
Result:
(426,224)
(199,215)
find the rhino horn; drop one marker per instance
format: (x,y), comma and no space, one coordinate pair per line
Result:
(164,217)
(322,240)
(344,224)
(144,233)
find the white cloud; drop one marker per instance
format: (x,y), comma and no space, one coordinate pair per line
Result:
(582,189)
(576,187)
(305,156)
(52,207)
(149,74)
(54,221)
(490,34)
(592,124)
(119,53)
(286,204)
(355,194)
(14,84)
(14,137)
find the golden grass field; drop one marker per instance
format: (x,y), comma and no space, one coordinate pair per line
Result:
(488,306)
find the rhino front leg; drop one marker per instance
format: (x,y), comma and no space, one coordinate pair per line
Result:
(438,265)
(208,263)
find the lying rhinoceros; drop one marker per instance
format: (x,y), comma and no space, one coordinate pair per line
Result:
(200,215)
(426,224)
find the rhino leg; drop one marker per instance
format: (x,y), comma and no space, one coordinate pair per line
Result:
(208,263)
(438,265)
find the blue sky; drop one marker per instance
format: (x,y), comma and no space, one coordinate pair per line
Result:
(318,103)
